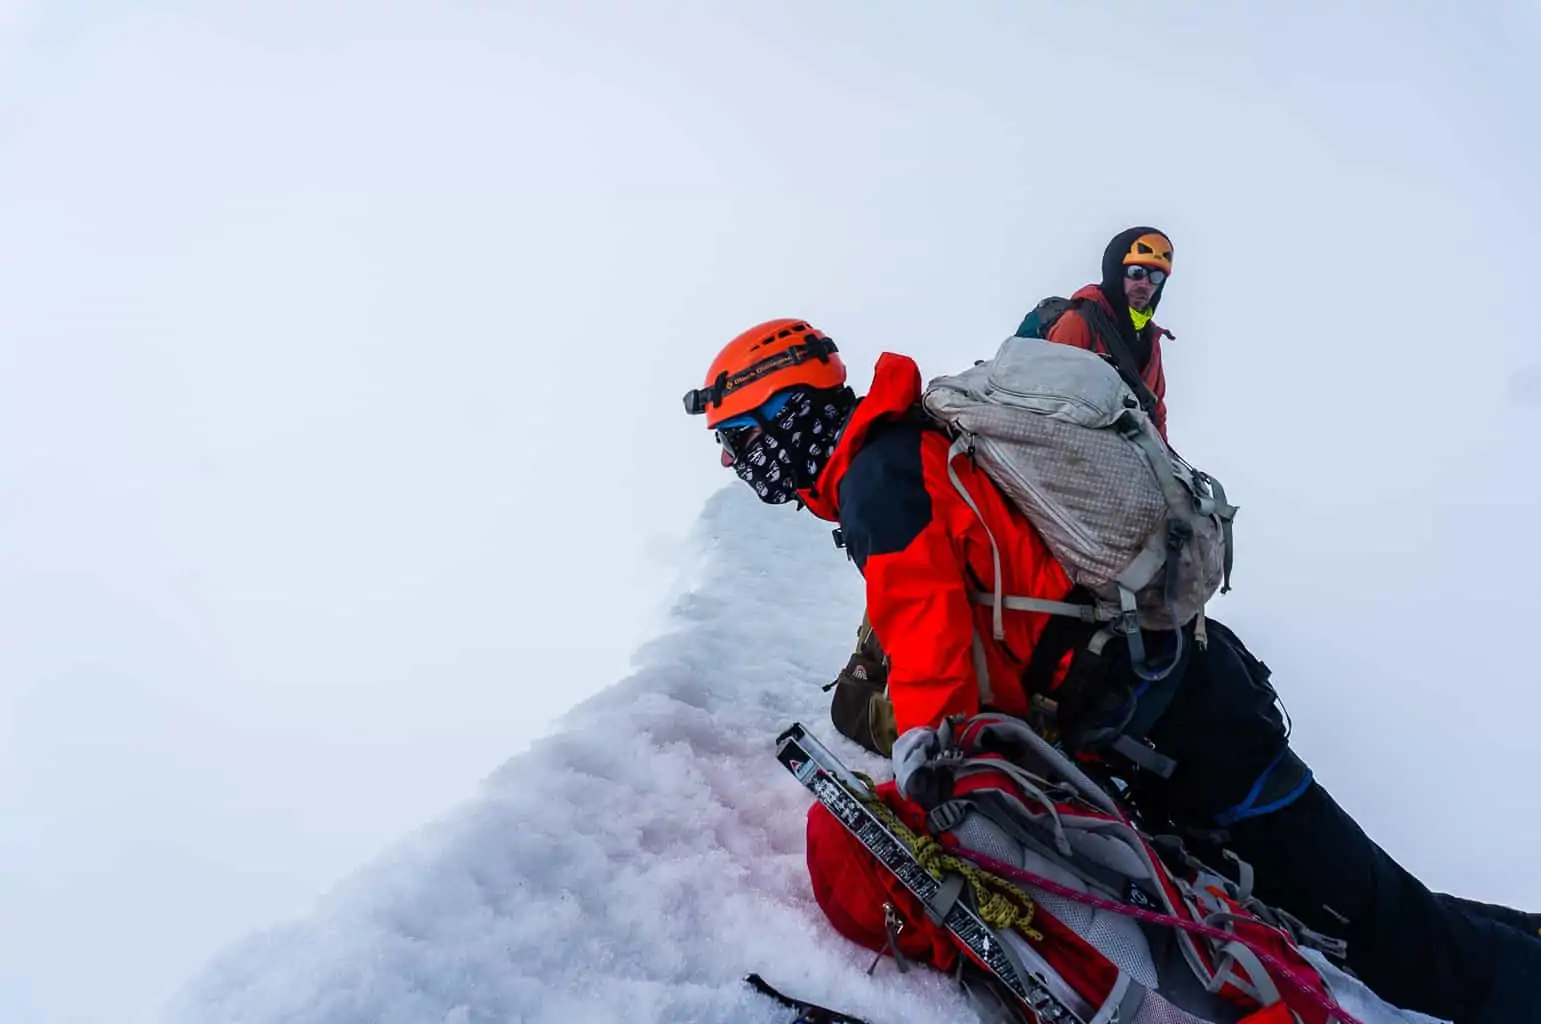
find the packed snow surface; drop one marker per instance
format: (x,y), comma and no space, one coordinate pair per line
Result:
(636,863)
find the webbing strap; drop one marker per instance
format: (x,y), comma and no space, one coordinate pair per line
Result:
(1145,757)
(963,446)
(1182,507)
(1032,835)
(1056,831)
(981,669)
(1016,603)
(1177,497)
(1227,515)
(1018,731)
(1129,626)
(1139,572)
(940,904)
(1151,701)
(1123,1003)
(1245,876)
(1257,983)
(1035,784)
(1139,753)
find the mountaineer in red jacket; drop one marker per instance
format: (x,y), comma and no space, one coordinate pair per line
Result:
(1209,755)
(1113,317)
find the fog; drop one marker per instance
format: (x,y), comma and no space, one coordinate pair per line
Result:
(341,348)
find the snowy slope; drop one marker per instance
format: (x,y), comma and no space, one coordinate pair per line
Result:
(634,865)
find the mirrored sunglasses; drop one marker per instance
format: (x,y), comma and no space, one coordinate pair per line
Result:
(1139,273)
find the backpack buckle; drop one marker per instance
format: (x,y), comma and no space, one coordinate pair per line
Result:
(945,817)
(1128,425)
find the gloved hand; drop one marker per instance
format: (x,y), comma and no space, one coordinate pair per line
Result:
(916,778)
(859,708)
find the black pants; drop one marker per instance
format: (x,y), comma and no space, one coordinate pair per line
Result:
(1235,776)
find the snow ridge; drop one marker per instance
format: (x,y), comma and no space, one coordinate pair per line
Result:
(637,862)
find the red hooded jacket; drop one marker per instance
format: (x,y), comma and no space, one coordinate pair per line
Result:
(922,550)
(1071,329)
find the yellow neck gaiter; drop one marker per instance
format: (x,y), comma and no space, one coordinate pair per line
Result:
(1140,318)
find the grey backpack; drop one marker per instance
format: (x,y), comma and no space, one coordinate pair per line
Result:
(1062,435)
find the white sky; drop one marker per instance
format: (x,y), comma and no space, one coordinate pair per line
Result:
(341,347)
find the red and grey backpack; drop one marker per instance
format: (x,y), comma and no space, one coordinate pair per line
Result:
(1040,893)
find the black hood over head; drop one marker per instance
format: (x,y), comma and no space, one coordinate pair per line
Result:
(1113,269)
(1112,287)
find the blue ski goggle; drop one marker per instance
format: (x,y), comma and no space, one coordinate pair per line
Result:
(735,435)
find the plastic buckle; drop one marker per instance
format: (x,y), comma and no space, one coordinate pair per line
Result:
(945,817)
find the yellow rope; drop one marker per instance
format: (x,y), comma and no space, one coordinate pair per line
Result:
(998,902)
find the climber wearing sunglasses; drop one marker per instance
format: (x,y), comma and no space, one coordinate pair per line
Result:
(1113,317)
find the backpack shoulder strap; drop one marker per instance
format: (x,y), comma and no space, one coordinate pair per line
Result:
(1107,332)
(918,416)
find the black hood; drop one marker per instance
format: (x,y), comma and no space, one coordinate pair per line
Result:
(1113,270)
(1112,287)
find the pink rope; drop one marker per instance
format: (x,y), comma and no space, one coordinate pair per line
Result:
(1325,1003)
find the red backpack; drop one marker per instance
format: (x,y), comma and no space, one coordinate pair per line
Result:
(1031,884)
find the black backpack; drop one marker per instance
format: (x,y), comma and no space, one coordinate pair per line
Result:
(1042,317)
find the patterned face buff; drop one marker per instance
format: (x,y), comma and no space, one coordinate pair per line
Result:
(792,450)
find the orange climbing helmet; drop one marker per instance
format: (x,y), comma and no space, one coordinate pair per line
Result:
(768,358)
(1150,249)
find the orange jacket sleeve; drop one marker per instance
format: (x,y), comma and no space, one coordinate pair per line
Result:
(917,597)
(920,612)
(1071,329)
(1158,388)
